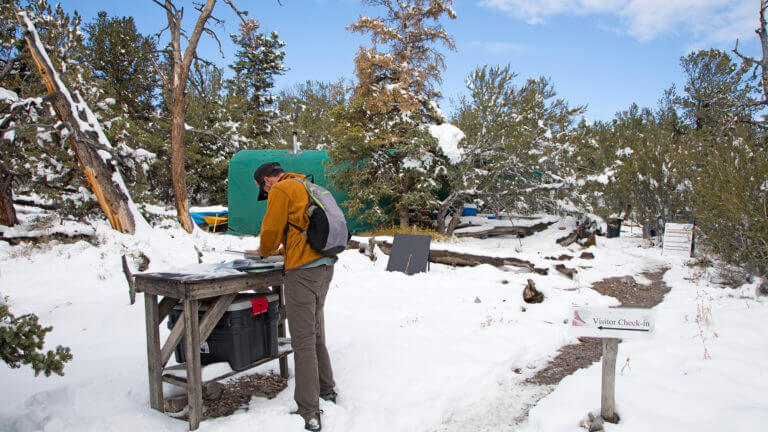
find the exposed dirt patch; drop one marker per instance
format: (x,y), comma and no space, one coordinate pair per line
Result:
(589,350)
(632,294)
(237,393)
(569,359)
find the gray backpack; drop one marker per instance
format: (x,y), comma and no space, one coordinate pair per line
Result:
(327,232)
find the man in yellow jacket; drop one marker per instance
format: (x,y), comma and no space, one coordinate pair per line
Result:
(308,275)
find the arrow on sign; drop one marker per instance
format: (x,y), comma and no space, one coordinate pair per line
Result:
(620,328)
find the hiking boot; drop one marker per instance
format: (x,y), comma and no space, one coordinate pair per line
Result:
(330,396)
(313,423)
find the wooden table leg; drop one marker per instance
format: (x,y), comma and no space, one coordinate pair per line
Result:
(154,362)
(194,378)
(284,370)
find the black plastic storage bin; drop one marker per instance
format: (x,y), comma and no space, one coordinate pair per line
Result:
(240,337)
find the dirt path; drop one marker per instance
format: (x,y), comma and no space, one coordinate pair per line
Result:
(570,358)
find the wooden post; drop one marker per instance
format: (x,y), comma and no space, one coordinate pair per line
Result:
(194,378)
(154,363)
(284,370)
(607,400)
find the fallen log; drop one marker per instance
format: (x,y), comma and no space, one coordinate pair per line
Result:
(47,238)
(563,257)
(86,136)
(569,272)
(580,233)
(460,259)
(520,231)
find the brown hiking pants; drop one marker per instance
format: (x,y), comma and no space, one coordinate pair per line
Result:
(305,291)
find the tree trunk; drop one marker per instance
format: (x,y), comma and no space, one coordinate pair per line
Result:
(181,64)
(86,137)
(763,33)
(455,201)
(178,173)
(403,212)
(7,212)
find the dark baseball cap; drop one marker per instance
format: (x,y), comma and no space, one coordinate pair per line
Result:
(265,170)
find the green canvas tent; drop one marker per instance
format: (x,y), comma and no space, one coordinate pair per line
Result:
(245,212)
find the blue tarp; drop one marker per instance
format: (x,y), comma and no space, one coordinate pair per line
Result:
(198,217)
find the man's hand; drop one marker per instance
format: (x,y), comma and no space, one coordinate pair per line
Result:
(253,254)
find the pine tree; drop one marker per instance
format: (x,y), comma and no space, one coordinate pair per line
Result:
(727,155)
(520,140)
(384,156)
(647,176)
(259,60)
(32,141)
(123,58)
(211,140)
(123,63)
(21,343)
(306,109)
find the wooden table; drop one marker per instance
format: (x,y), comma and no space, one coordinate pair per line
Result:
(189,289)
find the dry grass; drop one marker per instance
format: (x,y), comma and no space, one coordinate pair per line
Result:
(391,231)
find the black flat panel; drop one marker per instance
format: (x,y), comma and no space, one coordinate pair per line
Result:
(410,253)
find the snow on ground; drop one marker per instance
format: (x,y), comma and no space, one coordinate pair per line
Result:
(410,353)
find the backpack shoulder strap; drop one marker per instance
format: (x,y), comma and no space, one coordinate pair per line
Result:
(289,224)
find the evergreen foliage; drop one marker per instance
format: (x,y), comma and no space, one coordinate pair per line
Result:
(701,153)
(123,62)
(518,141)
(21,343)
(306,109)
(124,59)
(210,139)
(381,138)
(386,167)
(259,60)
(33,143)
(728,158)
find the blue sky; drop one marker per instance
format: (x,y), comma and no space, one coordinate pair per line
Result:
(605,54)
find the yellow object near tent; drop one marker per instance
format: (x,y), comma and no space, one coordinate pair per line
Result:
(214,221)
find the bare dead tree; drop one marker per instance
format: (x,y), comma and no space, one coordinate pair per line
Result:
(761,64)
(181,60)
(85,136)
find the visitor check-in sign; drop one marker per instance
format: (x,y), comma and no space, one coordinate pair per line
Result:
(619,323)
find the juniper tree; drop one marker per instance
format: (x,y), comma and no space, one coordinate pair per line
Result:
(384,156)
